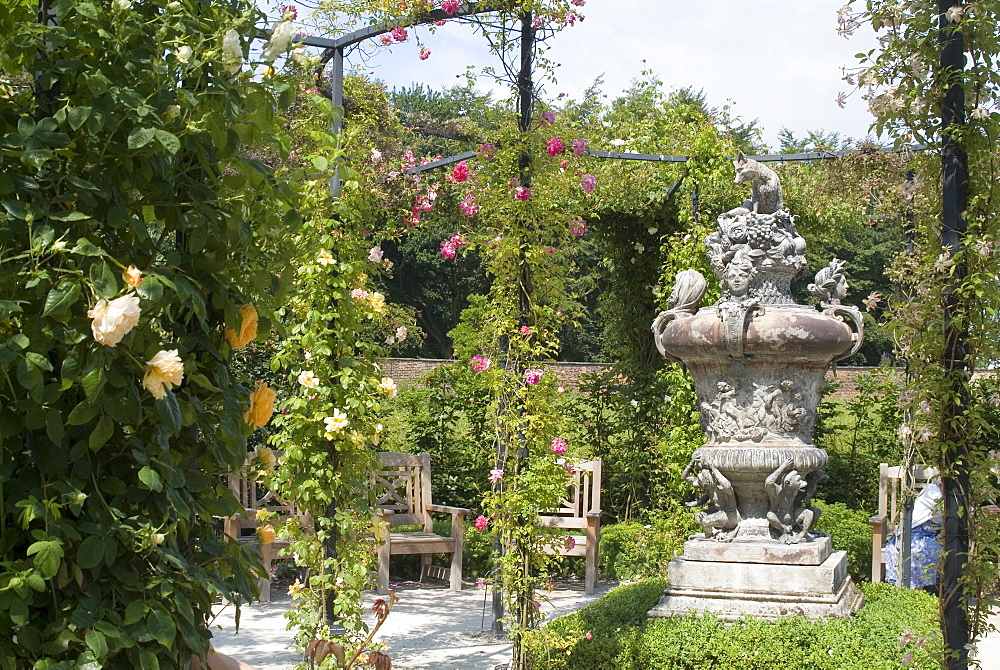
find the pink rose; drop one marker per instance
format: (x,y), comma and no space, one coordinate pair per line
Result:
(578,227)
(481,522)
(533,375)
(559,445)
(480,363)
(448,249)
(525,330)
(495,475)
(554,146)
(548,118)
(487,151)
(424,53)
(450,6)
(522,193)
(588,183)
(460,173)
(468,205)
(579,147)
(399,34)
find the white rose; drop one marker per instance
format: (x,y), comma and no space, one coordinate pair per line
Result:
(164,371)
(281,39)
(232,50)
(113,320)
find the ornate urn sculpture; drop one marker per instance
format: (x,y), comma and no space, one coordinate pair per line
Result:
(758,360)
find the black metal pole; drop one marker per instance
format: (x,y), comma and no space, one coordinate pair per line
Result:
(525,92)
(955,484)
(337,100)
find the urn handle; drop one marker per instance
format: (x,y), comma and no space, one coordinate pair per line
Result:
(844,312)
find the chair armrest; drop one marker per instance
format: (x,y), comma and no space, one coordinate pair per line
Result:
(877,520)
(596,513)
(384,512)
(448,509)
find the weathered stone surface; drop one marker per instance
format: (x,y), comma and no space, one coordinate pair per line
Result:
(762,590)
(758,362)
(813,551)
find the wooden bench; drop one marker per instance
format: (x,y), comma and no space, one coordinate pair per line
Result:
(403,487)
(890,508)
(580,510)
(253,496)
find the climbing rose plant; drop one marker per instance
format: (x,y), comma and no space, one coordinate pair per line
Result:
(950,418)
(141,246)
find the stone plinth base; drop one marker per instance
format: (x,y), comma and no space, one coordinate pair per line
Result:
(813,551)
(733,591)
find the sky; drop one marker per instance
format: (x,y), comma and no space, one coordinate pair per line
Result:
(778,61)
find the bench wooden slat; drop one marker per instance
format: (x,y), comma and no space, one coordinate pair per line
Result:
(403,486)
(580,510)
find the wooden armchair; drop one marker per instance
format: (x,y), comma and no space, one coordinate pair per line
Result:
(243,527)
(403,486)
(581,510)
(890,508)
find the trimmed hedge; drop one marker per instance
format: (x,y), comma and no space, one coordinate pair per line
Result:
(622,638)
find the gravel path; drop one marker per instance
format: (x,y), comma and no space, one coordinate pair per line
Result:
(430,628)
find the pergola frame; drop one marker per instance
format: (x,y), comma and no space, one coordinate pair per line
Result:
(954,200)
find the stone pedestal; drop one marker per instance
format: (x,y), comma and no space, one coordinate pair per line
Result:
(760,580)
(757,359)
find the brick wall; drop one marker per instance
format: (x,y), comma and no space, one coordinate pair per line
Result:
(406,371)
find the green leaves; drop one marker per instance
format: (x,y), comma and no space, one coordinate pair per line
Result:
(47,555)
(91,552)
(162,628)
(150,479)
(62,296)
(140,137)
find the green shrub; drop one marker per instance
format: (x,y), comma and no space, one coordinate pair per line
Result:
(850,531)
(624,639)
(634,550)
(614,622)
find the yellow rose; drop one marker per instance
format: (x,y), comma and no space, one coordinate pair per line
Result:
(335,423)
(295,588)
(267,457)
(133,276)
(325,258)
(261,406)
(308,379)
(377,301)
(266,534)
(388,386)
(113,320)
(248,328)
(164,371)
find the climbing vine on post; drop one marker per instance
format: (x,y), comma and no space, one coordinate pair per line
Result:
(932,81)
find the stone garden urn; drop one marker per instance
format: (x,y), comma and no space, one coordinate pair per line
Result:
(758,360)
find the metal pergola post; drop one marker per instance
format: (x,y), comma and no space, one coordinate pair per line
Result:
(955,481)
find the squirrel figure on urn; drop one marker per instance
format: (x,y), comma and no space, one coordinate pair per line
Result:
(765,196)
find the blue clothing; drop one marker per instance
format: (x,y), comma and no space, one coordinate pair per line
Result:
(925,552)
